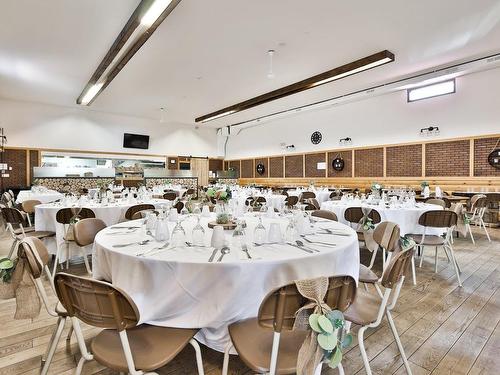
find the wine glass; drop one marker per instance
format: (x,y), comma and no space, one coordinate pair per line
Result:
(178,235)
(238,238)
(291,233)
(198,234)
(260,233)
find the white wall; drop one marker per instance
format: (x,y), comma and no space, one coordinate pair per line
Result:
(473,110)
(45,126)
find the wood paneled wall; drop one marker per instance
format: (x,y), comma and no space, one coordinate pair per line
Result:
(454,162)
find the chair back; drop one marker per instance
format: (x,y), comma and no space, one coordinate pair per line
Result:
(386,234)
(12,216)
(309,207)
(436,201)
(65,215)
(96,303)
(307,195)
(481,202)
(170,195)
(179,206)
(438,219)
(474,200)
(85,230)
(314,202)
(355,214)
(277,310)
(29,205)
(325,214)
(142,214)
(138,207)
(189,191)
(260,199)
(397,268)
(36,257)
(291,200)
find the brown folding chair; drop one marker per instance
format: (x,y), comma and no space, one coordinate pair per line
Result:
(84,232)
(15,224)
(136,208)
(170,195)
(368,309)
(291,201)
(36,256)
(353,215)
(268,343)
(325,214)
(29,207)
(68,217)
(122,345)
(446,220)
(436,201)
(307,195)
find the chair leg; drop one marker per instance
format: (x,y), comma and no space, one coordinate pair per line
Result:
(68,255)
(421,255)
(413,271)
(86,261)
(470,232)
(56,260)
(13,248)
(485,230)
(362,349)
(455,265)
(341,369)
(436,259)
(79,368)
(372,260)
(225,363)
(317,371)
(398,342)
(53,344)
(199,361)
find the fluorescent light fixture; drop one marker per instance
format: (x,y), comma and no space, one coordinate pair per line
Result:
(154,11)
(219,116)
(431,91)
(91,92)
(354,71)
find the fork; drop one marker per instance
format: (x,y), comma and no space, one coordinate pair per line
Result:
(154,250)
(317,242)
(132,243)
(245,250)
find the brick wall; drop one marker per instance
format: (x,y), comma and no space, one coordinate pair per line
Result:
(404,161)
(264,162)
(246,169)
(34,161)
(369,162)
(311,164)
(347,171)
(17,176)
(482,148)
(276,167)
(294,166)
(447,158)
(174,165)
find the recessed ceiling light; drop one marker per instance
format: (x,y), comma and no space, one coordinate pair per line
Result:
(154,11)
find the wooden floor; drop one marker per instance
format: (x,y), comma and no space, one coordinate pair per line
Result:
(444,329)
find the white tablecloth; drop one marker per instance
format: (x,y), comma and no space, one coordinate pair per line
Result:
(272,200)
(179,288)
(405,217)
(45,197)
(45,218)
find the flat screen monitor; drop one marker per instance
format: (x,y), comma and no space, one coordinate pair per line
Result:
(136,141)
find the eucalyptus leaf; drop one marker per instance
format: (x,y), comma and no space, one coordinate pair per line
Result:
(327,342)
(6,264)
(325,324)
(335,359)
(334,315)
(346,341)
(313,322)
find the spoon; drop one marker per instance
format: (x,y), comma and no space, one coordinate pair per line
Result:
(317,242)
(224,251)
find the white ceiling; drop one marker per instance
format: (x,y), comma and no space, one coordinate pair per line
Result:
(211,54)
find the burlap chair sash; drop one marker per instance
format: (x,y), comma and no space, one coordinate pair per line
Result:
(460,210)
(367,233)
(310,353)
(22,288)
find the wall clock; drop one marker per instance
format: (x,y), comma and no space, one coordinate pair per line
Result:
(260,169)
(338,163)
(316,137)
(494,158)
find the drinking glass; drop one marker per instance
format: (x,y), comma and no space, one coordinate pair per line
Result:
(161,229)
(178,235)
(198,234)
(238,238)
(259,234)
(291,233)
(275,233)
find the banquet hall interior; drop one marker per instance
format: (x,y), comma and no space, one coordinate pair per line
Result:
(249,187)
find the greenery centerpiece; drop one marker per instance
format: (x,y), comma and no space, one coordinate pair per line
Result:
(376,189)
(220,197)
(7,267)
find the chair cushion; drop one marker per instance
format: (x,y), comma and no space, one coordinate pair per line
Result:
(366,275)
(253,344)
(430,240)
(364,309)
(152,347)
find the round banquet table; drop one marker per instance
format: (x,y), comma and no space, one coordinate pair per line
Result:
(44,197)
(179,288)
(111,213)
(405,217)
(272,200)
